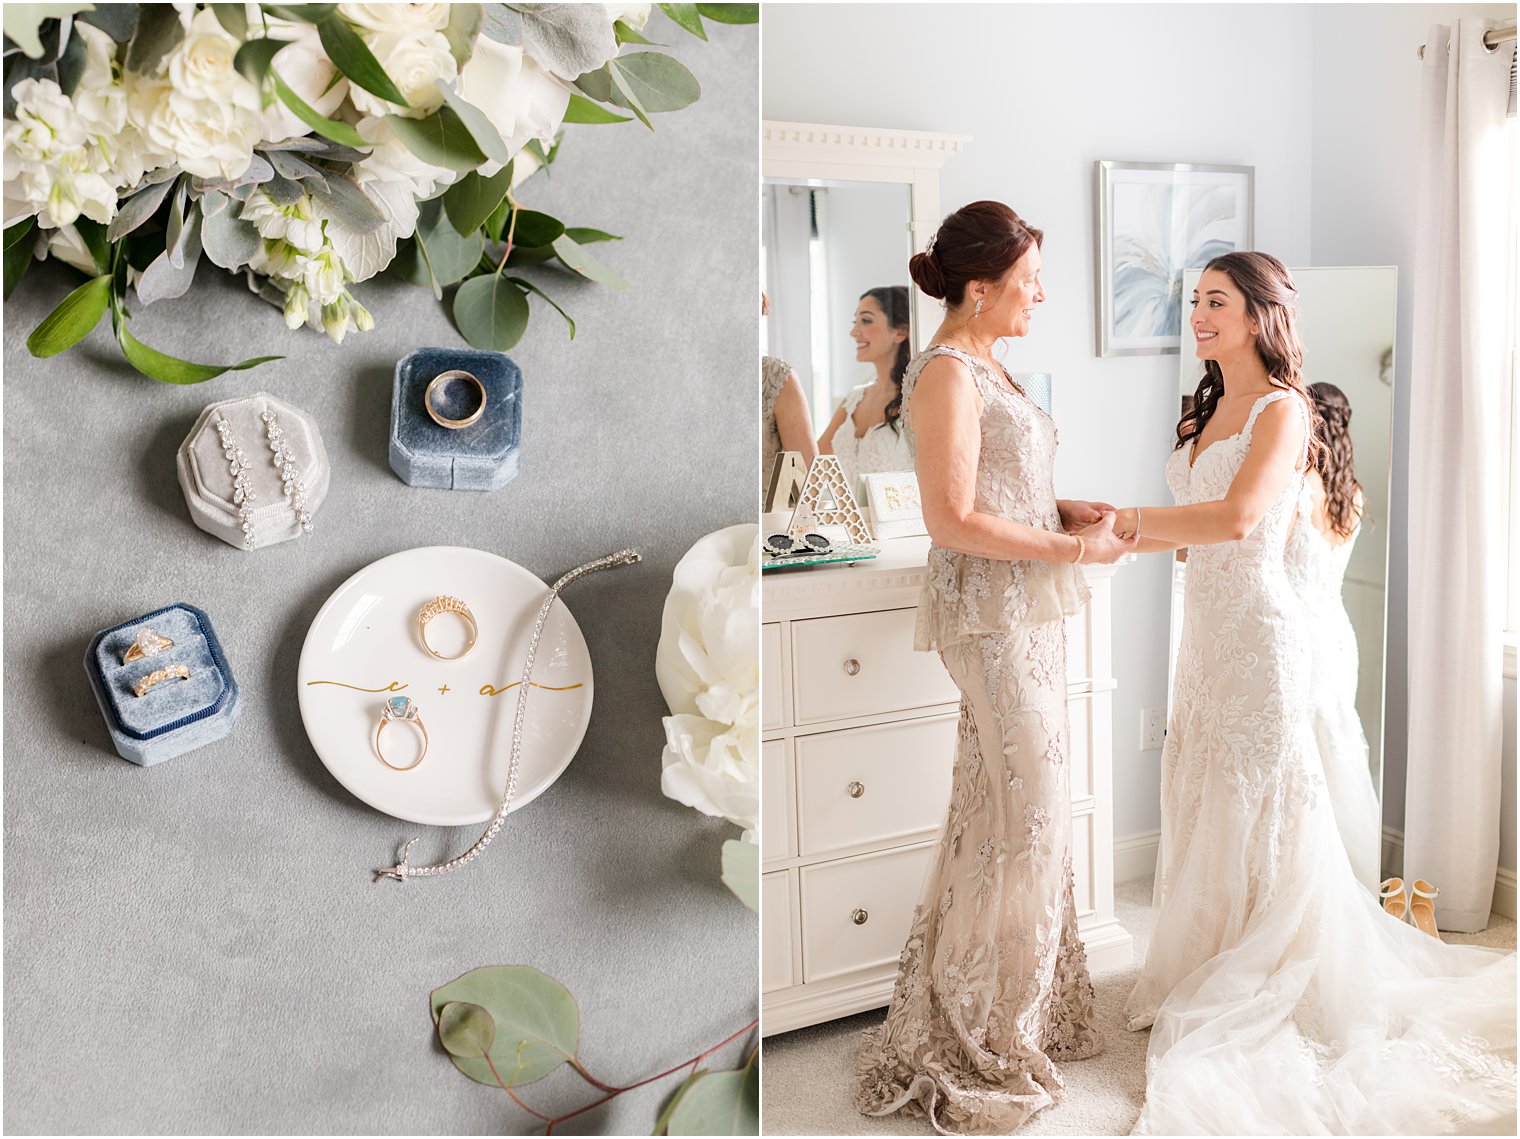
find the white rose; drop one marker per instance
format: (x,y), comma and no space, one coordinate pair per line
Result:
(522,100)
(415,64)
(396,17)
(633,15)
(306,70)
(209,138)
(201,65)
(391,160)
(707,666)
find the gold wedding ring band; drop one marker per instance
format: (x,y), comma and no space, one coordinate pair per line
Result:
(439,382)
(446,604)
(169,672)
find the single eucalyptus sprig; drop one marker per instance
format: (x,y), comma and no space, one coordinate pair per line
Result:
(510,1025)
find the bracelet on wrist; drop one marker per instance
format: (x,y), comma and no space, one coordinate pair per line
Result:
(1137,523)
(1081,549)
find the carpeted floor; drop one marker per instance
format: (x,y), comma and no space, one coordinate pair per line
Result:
(807,1074)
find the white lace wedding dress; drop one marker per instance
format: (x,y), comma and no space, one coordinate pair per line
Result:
(1316,570)
(881,448)
(1283,999)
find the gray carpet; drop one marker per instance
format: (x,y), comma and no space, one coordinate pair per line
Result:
(809,1073)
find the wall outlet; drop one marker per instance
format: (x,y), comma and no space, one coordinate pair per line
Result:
(1152,728)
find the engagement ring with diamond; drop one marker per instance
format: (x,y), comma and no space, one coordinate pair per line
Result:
(446,604)
(145,645)
(400,708)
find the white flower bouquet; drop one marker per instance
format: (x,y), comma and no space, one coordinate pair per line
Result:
(310,147)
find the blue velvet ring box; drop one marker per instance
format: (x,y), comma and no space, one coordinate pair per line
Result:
(482,456)
(174,716)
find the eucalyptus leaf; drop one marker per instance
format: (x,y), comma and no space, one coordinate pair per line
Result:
(660,82)
(537,1021)
(534,228)
(623,94)
(172,273)
(731,13)
(568,39)
(577,258)
(550,301)
(116,20)
(585,236)
(72,320)
(20,241)
(741,871)
(472,199)
(481,129)
(346,202)
(229,241)
(288,165)
(23,22)
(461,30)
(138,209)
(491,312)
(158,32)
(441,139)
(502,24)
(233,18)
(686,16)
(663,1122)
(626,35)
(583,110)
(496,224)
(171,369)
(718,1103)
(411,265)
(344,47)
(254,57)
(450,254)
(338,132)
(465,1030)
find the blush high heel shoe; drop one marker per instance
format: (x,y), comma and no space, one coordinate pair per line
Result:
(1395,901)
(1422,908)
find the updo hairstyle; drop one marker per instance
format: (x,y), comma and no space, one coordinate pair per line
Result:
(979,242)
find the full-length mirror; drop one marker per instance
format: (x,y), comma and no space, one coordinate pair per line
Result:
(1347,321)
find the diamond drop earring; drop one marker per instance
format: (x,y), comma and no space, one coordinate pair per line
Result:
(978,311)
(285,463)
(242,493)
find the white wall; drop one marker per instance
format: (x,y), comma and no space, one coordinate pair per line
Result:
(1318,98)
(1366,96)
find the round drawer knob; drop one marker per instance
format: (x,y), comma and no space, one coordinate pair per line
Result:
(859,917)
(851,667)
(856,789)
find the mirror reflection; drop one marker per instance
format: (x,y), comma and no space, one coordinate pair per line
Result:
(1337,550)
(834,267)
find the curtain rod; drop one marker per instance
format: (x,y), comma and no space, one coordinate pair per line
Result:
(1491,38)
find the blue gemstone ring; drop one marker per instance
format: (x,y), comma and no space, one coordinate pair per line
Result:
(400,708)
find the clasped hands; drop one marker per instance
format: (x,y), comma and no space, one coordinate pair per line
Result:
(1109,532)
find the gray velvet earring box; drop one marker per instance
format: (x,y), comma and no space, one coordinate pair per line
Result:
(174,716)
(483,456)
(205,478)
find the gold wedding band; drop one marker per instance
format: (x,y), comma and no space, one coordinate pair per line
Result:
(446,604)
(169,672)
(145,645)
(439,381)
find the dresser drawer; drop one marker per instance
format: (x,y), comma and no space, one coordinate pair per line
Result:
(777,893)
(856,912)
(772,677)
(882,784)
(863,664)
(776,825)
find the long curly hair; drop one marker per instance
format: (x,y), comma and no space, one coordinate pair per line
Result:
(893,300)
(1272,302)
(1335,463)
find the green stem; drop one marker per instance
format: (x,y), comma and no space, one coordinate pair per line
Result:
(513,1094)
(511,229)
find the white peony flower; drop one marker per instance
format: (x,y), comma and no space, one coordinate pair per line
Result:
(200,66)
(396,18)
(308,72)
(414,63)
(209,138)
(522,100)
(708,668)
(634,15)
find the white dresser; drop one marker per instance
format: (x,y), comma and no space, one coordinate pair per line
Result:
(858,740)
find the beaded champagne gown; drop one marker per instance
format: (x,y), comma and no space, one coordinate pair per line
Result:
(1282,999)
(1316,570)
(992,986)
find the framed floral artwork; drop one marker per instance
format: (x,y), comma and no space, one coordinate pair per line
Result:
(1154,220)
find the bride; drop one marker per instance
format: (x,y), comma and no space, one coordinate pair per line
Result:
(1281,998)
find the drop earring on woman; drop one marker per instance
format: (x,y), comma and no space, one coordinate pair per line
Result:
(978,310)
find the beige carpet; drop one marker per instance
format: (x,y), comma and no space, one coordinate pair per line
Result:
(807,1074)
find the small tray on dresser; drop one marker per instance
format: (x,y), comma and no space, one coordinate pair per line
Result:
(845,555)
